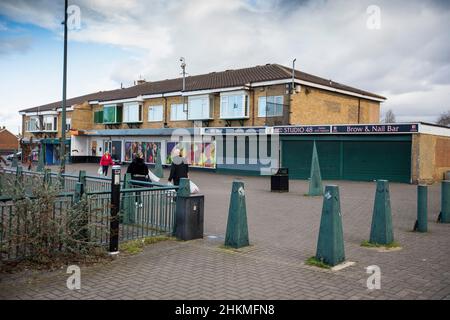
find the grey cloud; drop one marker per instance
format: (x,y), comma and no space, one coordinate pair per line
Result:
(410,54)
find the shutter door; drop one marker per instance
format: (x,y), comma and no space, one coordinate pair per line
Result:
(370,160)
(297,157)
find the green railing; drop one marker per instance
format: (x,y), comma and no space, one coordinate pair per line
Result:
(146,209)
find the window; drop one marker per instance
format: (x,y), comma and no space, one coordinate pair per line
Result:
(112,114)
(68,124)
(178,112)
(234,105)
(271,106)
(32,124)
(132,112)
(155,113)
(199,107)
(98,116)
(50,123)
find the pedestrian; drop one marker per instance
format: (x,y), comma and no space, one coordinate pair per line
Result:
(179,168)
(105,162)
(138,169)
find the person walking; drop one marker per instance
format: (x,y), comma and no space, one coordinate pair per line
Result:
(179,168)
(138,169)
(105,162)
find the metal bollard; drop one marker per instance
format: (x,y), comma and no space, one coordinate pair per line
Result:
(422,209)
(115,207)
(444,216)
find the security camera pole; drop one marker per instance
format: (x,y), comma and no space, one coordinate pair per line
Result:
(63,106)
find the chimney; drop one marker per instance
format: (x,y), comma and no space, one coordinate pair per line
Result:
(140,81)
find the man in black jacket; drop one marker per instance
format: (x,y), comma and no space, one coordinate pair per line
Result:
(179,168)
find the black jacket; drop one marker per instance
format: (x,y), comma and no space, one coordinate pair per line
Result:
(178,170)
(138,169)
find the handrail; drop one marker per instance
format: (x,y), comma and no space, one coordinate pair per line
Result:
(145,183)
(147,189)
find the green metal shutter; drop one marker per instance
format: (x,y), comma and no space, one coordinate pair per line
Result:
(371,160)
(296,156)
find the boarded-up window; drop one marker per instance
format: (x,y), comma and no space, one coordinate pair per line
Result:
(443,153)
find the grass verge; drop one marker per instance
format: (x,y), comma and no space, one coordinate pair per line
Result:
(317,263)
(137,246)
(391,245)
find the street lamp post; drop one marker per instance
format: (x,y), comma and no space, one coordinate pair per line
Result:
(63,106)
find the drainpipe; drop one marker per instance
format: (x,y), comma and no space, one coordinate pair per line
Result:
(165,112)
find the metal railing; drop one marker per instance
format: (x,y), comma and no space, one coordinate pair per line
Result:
(146,209)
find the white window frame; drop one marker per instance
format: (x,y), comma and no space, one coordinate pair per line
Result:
(183,108)
(126,112)
(50,120)
(68,124)
(262,107)
(224,96)
(28,124)
(152,111)
(206,108)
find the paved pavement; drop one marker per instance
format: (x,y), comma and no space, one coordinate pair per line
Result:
(283,231)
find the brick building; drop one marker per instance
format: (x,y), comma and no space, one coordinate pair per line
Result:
(8,142)
(269,97)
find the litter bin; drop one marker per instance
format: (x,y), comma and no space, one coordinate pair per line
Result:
(189,217)
(280,180)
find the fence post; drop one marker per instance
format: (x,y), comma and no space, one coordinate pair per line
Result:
(82,178)
(41,165)
(47,177)
(14,162)
(422,209)
(79,190)
(115,208)
(19,174)
(444,216)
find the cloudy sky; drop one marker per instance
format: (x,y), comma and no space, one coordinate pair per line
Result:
(407,59)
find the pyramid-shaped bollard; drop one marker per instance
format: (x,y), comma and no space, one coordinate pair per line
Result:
(444,216)
(315,182)
(158,164)
(381,231)
(237,229)
(330,245)
(128,203)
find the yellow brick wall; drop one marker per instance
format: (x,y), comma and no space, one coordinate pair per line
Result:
(430,158)
(316,106)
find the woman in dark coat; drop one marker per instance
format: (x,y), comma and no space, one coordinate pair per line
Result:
(138,168)
(179,168)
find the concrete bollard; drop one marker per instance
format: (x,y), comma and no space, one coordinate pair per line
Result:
(315,182)
(422,209)
(330,245)
(444,216)
(237,228)
(381,231)
(159,172)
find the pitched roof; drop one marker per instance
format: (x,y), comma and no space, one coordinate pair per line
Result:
(212,80)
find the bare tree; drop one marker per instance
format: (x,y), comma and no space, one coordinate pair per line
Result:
(389,117)
(444,119)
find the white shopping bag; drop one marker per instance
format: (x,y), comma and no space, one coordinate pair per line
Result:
(153,177)
(194,188)
(100,171)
